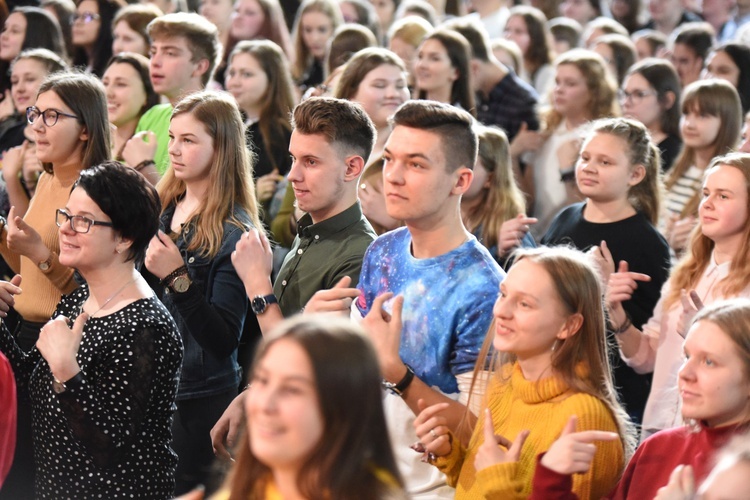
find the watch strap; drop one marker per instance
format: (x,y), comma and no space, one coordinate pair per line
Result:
(167,280)
(401,386)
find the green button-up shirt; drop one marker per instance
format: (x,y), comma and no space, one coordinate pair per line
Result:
(321,255)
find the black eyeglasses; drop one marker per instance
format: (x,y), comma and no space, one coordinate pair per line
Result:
(636,96)
(78,223)
(49,116)
(86,17)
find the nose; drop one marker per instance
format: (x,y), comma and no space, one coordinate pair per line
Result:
(155,61)
(173,148)
(66,227)
(393,173)
(295,172)
(38,124)
(687,373)
(501,308)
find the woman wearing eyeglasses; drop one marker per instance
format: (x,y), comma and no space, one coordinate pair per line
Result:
(92,34)
(70,127)
(103,376)
(650,94)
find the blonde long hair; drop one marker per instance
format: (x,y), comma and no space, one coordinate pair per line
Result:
(230,183)
(502,200)
(689,270)
(579,291)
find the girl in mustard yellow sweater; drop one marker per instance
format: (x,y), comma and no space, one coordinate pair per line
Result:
(551,366)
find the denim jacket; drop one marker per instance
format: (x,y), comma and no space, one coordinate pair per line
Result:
(210,314)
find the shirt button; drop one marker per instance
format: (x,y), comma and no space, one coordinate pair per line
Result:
(191,260)
(283,283)
(317,237)
(299,252)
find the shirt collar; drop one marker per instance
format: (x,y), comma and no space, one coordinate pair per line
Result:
(330,226)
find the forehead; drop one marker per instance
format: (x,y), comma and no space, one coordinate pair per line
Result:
(569,71)
(706,336)
(725,176)
(177,42)
(16,19)
(605,143)
(310,145)
(244,59)
(186,123)
(433,45)
(50,99)
(287,358)
(388,71)
(527,276)
(88,6)
(408,141)
(637,81)
(81,202)
(121,70)
(28,65)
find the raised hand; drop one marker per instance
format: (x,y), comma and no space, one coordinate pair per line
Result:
(265,186)
(431,428)
(620,288)
(162,255)
(8,291)
(384,330)
(678,231)
(602,259)
(253,260)
(59,345)
(512,231)
(691,304)
(139,148)
(681,485)
(338,299)
(491,451)
(23,239)
(573,451)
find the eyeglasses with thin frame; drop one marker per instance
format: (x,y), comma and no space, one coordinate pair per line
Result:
(78,223)
(49,116)
(636,96)
(86,17)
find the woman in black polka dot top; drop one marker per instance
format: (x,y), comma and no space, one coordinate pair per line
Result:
(103,375)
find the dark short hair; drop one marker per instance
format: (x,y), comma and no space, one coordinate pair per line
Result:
(698,36)
(127,198)
(453,125)
(475,34)
(343,123)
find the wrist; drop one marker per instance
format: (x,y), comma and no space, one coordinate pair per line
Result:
(65,372)
(40,254)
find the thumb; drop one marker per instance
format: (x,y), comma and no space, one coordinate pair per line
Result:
(16,280)
(396,308)
(12,213)
(570,426)
(623,267)
(684,300)
(421,405)
(78,325)
(343,282)
(696,300)
(687,480)
(515,449)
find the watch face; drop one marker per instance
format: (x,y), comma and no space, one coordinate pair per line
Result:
(44,265)
(58,387)
(181,284)
(258,305)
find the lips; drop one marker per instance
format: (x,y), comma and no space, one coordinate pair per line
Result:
(502,329)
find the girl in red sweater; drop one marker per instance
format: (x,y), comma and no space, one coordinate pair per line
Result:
(714,386)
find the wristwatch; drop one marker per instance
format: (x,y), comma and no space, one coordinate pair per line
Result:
(59,387)
(399,388)
(180,284)
(260,303)
(45,264)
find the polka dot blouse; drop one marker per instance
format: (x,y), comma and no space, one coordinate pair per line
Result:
(109,434)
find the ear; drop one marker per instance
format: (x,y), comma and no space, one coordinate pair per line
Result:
(123,244)
(200,68)
(475,67)
(355,165)
(669,99)
(463,178)
(571,326)
(637,175)
(84,135)
(456,74)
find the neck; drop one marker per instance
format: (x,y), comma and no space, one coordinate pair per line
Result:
(123,132)
(603,212)
(703,157)
(575,121)
(715,18)
(286,483)
(252,115)
(492,74)
(486,8)
(469,208)
(727,248)
(69,170)
(193,86)
(656,133)
(195,193)
(106,281)
(440,95)
(348,198)
(536,367)
(669,23)
(438,235)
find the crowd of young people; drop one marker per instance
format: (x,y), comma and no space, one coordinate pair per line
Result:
(158,230)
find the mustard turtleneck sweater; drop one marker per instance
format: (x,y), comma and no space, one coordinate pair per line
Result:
(543,408)
(42,290)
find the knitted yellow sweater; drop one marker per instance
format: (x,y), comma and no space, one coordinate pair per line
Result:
(543,408)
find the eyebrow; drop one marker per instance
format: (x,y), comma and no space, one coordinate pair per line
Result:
(410,155)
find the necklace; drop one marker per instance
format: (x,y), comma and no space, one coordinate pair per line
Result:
(81,311)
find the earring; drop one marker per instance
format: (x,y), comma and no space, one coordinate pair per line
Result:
(119,250)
